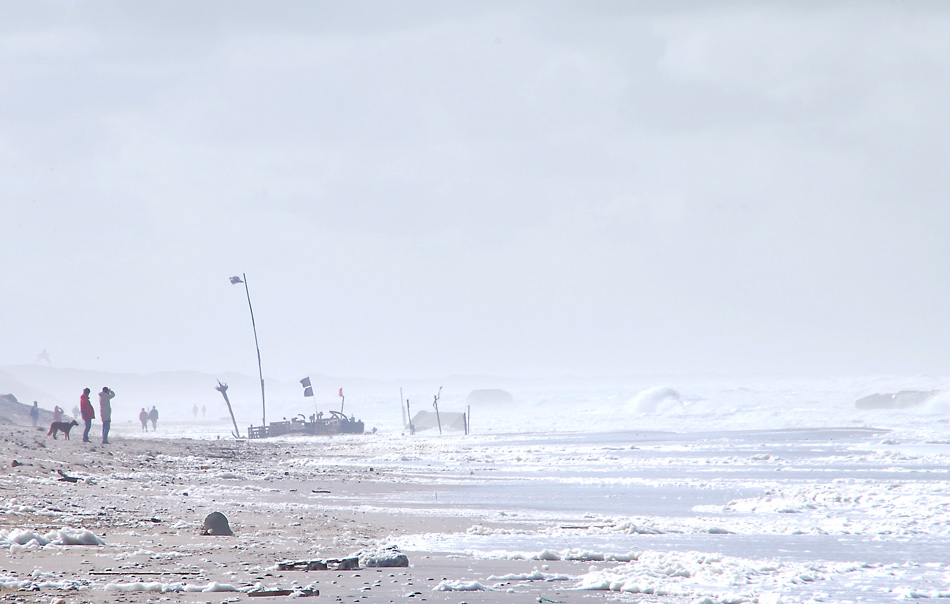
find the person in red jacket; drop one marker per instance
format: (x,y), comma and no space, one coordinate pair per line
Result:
(88,413)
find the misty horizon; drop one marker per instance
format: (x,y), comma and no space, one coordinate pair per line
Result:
(525,190)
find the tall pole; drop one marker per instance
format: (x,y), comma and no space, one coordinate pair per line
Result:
(256,345)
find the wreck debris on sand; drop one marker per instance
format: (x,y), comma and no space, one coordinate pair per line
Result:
(315,425)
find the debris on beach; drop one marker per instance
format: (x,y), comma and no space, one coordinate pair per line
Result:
(264,593)
(297,592)
(65,477)
(216,523)
(328,564)
(386,557)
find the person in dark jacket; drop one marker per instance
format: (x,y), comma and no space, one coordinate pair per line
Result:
(153,415)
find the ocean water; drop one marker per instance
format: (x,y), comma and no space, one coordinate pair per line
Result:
(730,492)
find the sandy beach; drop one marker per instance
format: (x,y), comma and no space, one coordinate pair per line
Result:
(735,496)
(137,507)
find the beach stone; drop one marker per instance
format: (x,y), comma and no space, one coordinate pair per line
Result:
(216,523)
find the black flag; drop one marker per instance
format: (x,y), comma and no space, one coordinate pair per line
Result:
(307,390)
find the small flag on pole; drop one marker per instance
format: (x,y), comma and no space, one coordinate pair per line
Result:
(307,389)
(235,280)
(305,382)
(341,393)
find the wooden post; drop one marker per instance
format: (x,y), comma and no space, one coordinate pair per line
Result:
(403,409)
(223,389)
(435,404)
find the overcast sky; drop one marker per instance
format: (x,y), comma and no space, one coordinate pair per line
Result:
(422,189)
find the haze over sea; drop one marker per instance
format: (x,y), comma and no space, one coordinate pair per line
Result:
(723,490)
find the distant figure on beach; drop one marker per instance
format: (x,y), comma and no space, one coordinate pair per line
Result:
(153,415)
(75,412)
(35,413)
(88,413)
(203,411)
(57,413)
(105,412)
(195,411)
(143,417)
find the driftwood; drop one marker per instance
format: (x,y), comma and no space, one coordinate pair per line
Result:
(264,593)
(65,478)
(330,564)
(142,572)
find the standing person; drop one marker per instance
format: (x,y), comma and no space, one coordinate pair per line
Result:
(57,414)
(195,411)
(153,415)
(105,412)
(35,413)
(143,417)
(88,413)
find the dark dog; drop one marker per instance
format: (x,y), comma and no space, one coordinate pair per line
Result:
(63,427)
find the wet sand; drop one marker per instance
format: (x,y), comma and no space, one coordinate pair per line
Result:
(147,499)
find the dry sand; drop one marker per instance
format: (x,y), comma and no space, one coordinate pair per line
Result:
(147,498)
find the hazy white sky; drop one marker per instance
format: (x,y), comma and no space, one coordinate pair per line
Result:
(418,189)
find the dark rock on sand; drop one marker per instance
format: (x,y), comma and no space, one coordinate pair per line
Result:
(216,524)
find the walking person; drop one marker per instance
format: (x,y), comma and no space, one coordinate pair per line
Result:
(105,412)
(153,415)
(143,417)
(35,413)
(88,413)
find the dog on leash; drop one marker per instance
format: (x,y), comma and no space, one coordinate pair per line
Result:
(64,427)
